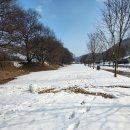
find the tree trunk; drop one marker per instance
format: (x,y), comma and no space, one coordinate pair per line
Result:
(93,64)
(109,64)
(29,60)
(113,64)
(115,71)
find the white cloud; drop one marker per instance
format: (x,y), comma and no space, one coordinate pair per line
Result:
(39,9)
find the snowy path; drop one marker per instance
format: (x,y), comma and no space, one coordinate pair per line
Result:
(22,110)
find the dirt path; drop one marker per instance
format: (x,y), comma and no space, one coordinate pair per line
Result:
(127,74)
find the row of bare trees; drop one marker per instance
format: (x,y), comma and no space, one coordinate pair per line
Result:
(21,31)
(93,46)
(113,30)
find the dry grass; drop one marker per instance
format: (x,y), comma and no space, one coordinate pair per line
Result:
(9,72)
(48,90)
(116,86)
(105,95)
(36,66)
(6,76)
(76,90)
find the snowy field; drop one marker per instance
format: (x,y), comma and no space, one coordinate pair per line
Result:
(23,108)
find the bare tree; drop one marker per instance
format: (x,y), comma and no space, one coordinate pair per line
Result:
(29,31)
(35,40)
(116,17)
(67,56)
(11,16)
(106,45)
(5,9)
(93,46)
(39,48)
(42,44)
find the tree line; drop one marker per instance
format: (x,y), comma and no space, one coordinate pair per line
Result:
(22,31)
(110,34)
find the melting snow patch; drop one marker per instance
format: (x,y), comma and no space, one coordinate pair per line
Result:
(17,64)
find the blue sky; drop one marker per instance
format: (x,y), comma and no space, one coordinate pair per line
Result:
(71,20)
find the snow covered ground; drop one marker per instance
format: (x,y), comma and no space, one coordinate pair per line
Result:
(22,110)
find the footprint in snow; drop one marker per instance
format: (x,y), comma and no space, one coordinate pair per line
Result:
(73,126)
(88,109)
(84,110)
(72,115)
(83,102)
(32,121)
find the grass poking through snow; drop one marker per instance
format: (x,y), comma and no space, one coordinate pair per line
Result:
(77,90)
